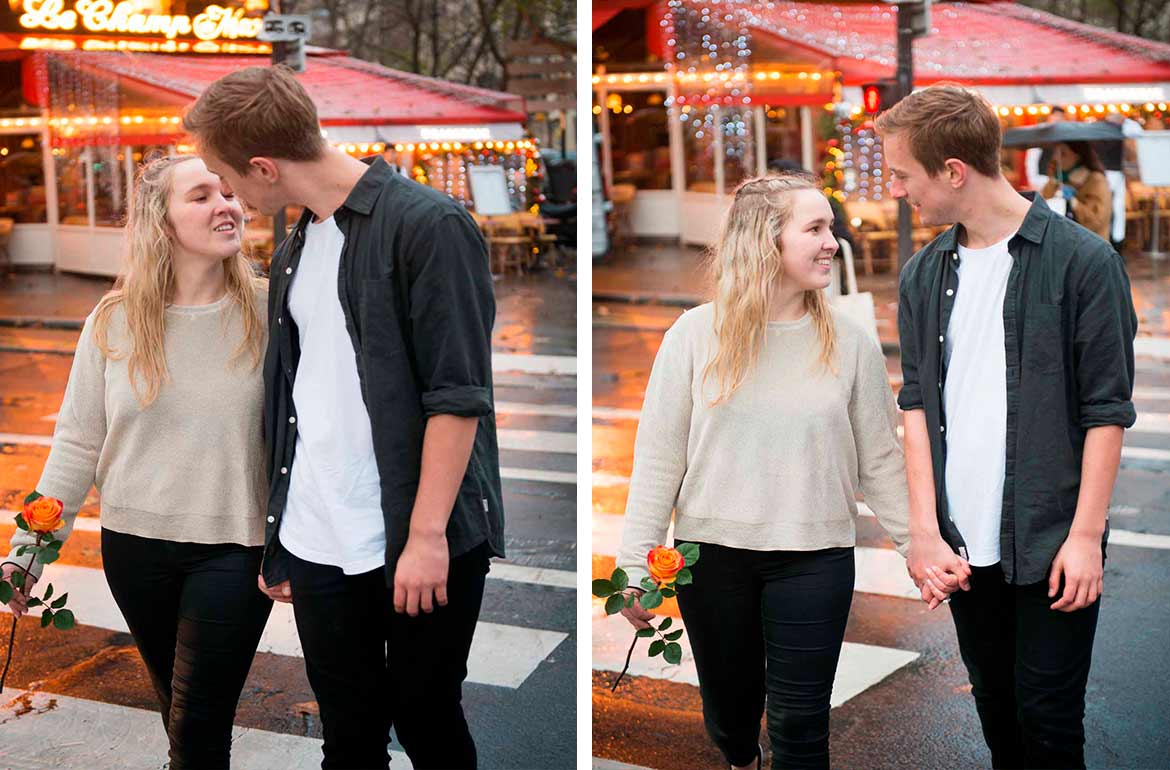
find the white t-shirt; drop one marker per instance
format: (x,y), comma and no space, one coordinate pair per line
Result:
(975,400)
(333,514)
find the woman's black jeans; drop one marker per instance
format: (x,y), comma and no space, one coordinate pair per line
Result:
(767,626)
(196,615)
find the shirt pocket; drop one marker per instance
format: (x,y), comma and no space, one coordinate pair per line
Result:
(1043,341)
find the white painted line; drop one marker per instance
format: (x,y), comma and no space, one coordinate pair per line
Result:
(880,571)
(615,413)
(516,573)
(501,655)
(531,364)
(1152,347)
(861,665)
(534,474)
(605,479)
(542,410)
(1152,422)
(25,438)
(538,441)
(104,736)
(1152,394)
(1138,539)
(600,763)
(1142,453)
(50,417)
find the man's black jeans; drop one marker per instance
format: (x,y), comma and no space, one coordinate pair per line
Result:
(196,616)
(768,624)
(1028,666)
(371,667)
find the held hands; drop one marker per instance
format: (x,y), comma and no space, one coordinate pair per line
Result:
(936,570)
(19,602)
(277,593)
(421,573)
(1079,562)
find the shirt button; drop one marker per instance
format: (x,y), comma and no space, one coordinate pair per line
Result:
(280,319)
(941,338)
(292,420)
(284,470)
(955,257)
(271,519)
(942,429)
(288,271)
(950,293)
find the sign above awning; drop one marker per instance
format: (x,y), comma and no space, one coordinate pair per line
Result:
(486,132)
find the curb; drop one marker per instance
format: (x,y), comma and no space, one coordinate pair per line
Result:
(26,322)
(672,300)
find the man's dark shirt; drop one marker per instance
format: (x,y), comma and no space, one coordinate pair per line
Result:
(1069,326)
(416,292)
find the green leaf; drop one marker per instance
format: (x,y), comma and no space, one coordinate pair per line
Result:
(33,495)
(667,593)
(631,598)
(59,603)
(656,647)
(650,600)
(48,556)
(674,636)
(684,577)
(23,550)
(6,592)
(690,552)
(48,593)
(620,579)
(649,584)
(20,522)
(55,545)
(18,578)
(35,602)
(645,633)
(603,588)
(614,604)
(64,620)
(673,653)
(46,618)
(665,624)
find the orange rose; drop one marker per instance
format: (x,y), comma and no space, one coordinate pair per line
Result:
(43,515)
(665,563)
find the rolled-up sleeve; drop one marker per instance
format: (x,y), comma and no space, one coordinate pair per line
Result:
(910,396)
(452,310)
(1106,325)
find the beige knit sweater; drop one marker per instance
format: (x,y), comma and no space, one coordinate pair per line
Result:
(778,465)
(189,467)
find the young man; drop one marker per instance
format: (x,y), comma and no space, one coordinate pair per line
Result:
(1016,330)
(384,503)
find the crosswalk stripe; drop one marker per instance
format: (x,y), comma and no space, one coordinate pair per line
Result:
(1152,394)
(615,413)
(535,474)
(538,441)
(1152,347)
(879,571)
(534,364)
(1152,422)
(861,665)
(106,736)
(501,655)
(540,410)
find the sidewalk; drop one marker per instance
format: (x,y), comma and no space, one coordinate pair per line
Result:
(662,273)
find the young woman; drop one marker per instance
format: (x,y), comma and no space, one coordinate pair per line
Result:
(163,410)
(1076,173)
(765,412)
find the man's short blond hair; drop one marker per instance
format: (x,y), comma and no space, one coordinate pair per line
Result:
(256,112)
(946,121)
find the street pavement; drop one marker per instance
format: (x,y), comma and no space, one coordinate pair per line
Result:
(82,699)
(902,697)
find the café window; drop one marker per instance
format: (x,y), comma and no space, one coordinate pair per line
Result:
(739,156)
(22,179)
(698,125)
(640,142)
(782,133)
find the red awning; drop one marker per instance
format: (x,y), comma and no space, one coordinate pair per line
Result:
(604,10)
(993,43)
(347,91)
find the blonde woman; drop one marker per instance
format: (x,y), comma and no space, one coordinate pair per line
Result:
(163,411)
(764,415)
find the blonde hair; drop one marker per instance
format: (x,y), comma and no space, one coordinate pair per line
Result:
(148,284)
(747,271)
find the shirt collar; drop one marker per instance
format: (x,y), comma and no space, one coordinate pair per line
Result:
(365,193)
(1032,228)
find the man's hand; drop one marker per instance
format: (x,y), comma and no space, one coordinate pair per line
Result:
(277,593)
(1079,562)
(19,602)
(936,569)
(638,617)
(421,573)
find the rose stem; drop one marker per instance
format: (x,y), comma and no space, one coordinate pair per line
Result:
(626,667)
(12,636)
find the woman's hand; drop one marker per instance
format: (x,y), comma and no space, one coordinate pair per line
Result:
(19,601)
(936,569)
(638,617)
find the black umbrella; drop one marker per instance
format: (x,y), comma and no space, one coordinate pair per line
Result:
(1065,131)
